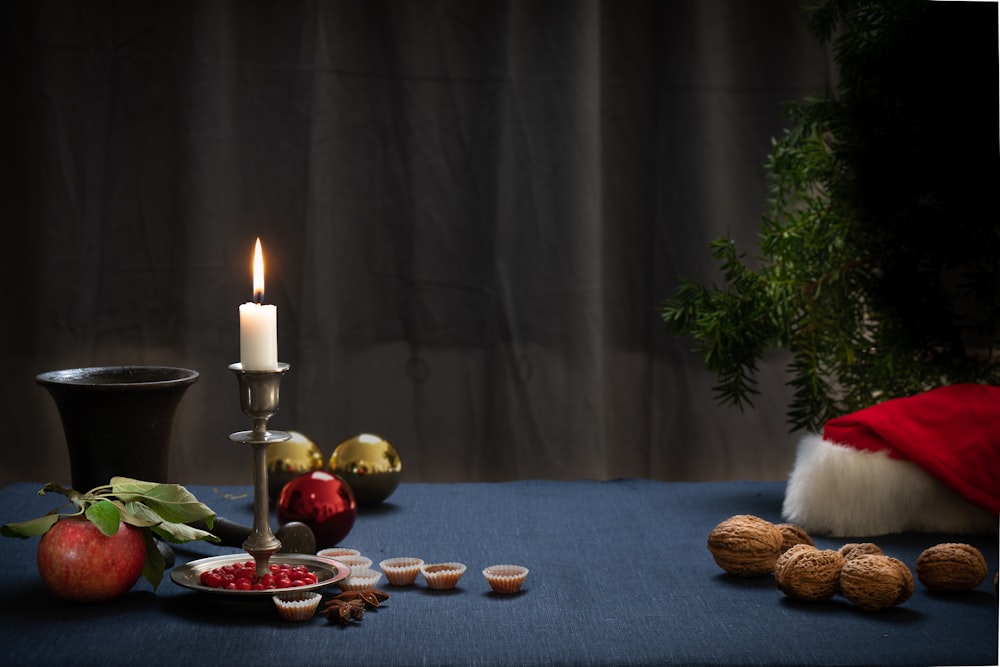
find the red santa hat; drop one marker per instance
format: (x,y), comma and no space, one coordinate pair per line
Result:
(927,463)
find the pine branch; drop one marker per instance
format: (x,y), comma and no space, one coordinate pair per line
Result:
(856,279)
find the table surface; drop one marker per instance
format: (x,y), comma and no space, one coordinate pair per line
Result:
(620,575)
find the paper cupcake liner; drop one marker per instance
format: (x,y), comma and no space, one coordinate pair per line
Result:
(337,553)
(401,571)
(505,578)
(442,576)
(356,562)
(360,580)
(296,606)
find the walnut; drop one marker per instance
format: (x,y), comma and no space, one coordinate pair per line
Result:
(854,549)
(874,581)
(792,535)
(951,568)
(745,545)
(804,572)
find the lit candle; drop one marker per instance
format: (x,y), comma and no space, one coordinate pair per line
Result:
(258,324)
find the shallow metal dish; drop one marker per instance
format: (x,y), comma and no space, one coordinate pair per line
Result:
(327,571)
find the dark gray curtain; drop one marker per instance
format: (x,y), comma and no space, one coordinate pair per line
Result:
(469,210)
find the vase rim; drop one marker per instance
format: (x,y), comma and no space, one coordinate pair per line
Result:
(135,376)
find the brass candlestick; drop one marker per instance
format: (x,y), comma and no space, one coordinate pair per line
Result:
(259,401)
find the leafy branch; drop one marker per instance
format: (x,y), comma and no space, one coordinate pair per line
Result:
(160,510)
(878,268)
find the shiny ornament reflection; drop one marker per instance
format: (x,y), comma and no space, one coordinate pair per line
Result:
(370,465)
(322,501)
(289,459)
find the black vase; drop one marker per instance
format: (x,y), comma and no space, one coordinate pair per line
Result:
(117,419)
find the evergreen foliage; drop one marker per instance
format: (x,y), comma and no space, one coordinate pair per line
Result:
(879,266)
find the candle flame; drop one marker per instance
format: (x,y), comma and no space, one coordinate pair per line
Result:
(258,274)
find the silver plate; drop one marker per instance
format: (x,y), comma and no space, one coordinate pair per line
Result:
(327,571)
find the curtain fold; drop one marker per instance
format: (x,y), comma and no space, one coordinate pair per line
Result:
(469,212)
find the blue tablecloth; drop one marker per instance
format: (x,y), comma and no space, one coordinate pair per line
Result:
(619,575)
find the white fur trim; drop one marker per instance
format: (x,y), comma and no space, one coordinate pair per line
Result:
(844,492)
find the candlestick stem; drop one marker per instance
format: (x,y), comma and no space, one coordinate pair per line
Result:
(259,391)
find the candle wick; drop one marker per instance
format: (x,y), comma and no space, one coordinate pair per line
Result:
(258,297)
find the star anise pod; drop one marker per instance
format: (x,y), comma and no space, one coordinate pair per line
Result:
(370,596)
(344,611)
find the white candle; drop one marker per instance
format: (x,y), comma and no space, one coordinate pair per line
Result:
(258,324)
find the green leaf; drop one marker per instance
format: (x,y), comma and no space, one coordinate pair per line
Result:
(128,485)
(105,515)
(154,565)
(180,512)
(37,526)
(136,514)
(179,533)
(172,502)
(140,515)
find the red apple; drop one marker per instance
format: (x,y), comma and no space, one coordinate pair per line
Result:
(78,562)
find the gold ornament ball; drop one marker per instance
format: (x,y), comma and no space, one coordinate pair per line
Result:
(370,465)
(289,459)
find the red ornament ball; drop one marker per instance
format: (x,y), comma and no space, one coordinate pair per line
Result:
(322,501)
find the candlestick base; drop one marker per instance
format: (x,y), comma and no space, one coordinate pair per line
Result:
(259,393)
